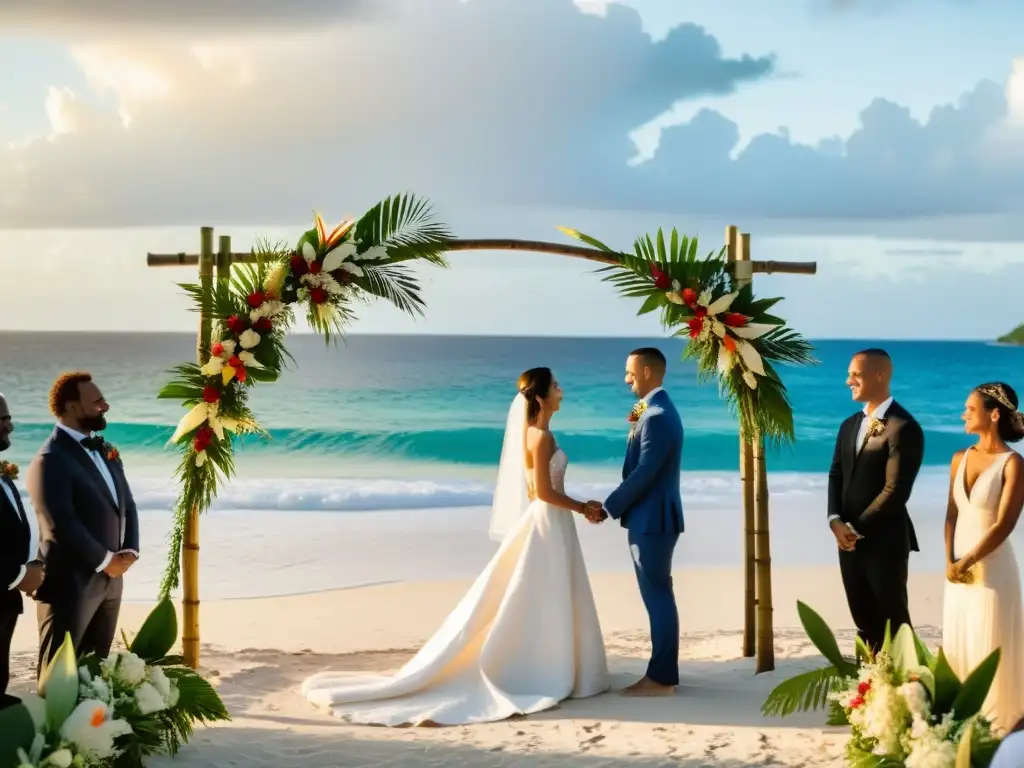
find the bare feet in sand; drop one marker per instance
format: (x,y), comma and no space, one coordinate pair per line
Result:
(647,687)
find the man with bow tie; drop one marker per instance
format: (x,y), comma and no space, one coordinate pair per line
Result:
(88,523)
(20,571)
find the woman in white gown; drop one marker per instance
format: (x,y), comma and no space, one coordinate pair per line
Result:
(526,634)
(982,608)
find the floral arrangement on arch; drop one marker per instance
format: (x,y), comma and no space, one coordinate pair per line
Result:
(730,332)
(905,706)
(325,275)
(113,712)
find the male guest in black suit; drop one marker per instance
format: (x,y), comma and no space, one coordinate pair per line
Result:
(877,457)
(88,524)
(20,570)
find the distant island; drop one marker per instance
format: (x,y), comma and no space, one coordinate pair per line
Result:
(1016,336)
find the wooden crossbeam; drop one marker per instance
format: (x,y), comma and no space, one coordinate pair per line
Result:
(500,244)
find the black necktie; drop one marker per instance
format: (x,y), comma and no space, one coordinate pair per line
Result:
(93,443)
(6,499)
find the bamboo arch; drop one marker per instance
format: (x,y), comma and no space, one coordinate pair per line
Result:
(758,610)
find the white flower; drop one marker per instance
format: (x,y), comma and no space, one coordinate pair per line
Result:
(337,257)
(248,338)
(100,689)
(129,668)
(148,699)
(168,690)
(92,731)
(60,759)
(750,379)
(916,697)
(270,308)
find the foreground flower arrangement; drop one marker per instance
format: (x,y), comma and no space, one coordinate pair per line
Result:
(325,275)
(110,712)
(905,706)
(731,335)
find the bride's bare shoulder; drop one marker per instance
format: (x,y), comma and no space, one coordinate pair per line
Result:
(954,465)
(538,439)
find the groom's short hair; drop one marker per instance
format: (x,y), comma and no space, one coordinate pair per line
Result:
(652,357)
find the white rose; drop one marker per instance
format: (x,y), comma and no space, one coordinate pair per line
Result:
(130,669)
(916,697)
(249,338)
(149,700)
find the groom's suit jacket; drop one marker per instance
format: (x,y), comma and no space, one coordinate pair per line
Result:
(80,523)
(648,500)
(869,488)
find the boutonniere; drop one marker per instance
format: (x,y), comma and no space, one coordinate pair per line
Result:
(876,427)
(111,452)
(8,470)
(634,417)
(637,412)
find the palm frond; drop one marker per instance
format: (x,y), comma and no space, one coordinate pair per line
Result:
(395,283)
(803,692)
(406,226)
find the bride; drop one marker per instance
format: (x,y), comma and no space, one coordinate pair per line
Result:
(526,634)
(982,607)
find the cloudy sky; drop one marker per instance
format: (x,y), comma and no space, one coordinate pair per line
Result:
(884,140)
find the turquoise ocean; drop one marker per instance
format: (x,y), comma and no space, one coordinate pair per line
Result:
(379,424)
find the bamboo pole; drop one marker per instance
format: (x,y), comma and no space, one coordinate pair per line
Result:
(503,244)
(738,248)
(756,515)
(190,545)
(765,631)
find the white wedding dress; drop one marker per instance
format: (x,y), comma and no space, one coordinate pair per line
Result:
(987,613)
(523,638)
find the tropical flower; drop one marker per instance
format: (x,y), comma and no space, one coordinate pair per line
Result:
(8,470)
(92,729)
(225,362)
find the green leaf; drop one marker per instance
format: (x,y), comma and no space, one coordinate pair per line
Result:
(924,656)
(177,390)
(947,685)
(801,693)
(59,684)
(16,732)
(577,235)
(903,650)
(971,697)
(654,301)
(824,640)
(158,633)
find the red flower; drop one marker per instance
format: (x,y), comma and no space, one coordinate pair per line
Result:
(729,343)
(863,688)
(234,361)
(689,296)
(299,264)
(661,281)
(210,394)
(315,267)
(700,312)
(236,324)
(262,324)
(734,319)
(113,454)
(318,295)
(256,299)
(241,374)
(696,326)
(217,349)
(203,438)
(857,702)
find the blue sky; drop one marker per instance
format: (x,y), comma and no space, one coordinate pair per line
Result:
(879,139)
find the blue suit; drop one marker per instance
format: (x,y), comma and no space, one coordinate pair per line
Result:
(648,505)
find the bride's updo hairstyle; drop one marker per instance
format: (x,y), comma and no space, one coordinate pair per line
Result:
(1000,397)
(534,385)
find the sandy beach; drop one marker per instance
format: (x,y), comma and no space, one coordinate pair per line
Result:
(258,651)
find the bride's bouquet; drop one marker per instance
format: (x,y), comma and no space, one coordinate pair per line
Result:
(110,712)
(904,705)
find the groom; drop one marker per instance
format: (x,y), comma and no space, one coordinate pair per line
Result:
(878,454)
(648,505)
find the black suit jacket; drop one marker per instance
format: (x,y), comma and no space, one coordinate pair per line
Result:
(14,543)
(870,490)
(79,521)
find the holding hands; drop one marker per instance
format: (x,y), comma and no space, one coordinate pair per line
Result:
(594,512)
